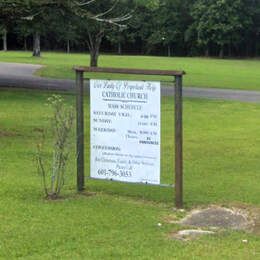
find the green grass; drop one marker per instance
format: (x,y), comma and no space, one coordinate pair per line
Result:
(201,72)
(222,148)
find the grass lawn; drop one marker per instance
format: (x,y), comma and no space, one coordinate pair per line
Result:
(201,72)
(222,148)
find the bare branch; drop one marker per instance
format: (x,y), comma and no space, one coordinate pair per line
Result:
(115,21)
(109,10)
(100,17)
(83,3)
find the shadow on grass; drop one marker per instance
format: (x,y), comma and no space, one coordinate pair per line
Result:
(143,192)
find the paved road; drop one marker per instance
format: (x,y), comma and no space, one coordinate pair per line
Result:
(21,76)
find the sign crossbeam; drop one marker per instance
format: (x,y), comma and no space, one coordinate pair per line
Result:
(130,71)
(178,75)
(136,183)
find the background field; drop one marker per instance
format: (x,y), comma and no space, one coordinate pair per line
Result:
(201,72)
(221,155)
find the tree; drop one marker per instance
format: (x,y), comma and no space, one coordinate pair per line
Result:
(161,23)
(166,27)
(143,23)
(253,35)
(23,31)
(156,26)
(3,32)
(39,14)
(101,16)
(9,11)
(63,26)
(35,14)
(116,37)
(220,22)
(96,17)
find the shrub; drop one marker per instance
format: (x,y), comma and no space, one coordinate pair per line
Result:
(61,126)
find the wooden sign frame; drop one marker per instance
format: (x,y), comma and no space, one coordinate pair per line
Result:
(178,77)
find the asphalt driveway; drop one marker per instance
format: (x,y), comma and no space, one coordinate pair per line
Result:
(19,75)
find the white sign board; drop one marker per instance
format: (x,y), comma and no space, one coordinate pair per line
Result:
(125,130)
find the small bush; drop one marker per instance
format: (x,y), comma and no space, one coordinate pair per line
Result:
(61,127)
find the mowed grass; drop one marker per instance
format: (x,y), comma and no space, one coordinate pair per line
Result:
(221,158)
(201,72)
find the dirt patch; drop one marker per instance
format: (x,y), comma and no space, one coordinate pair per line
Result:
(216,217)
(38,130)
(61,198)
(86,194)
(4,133)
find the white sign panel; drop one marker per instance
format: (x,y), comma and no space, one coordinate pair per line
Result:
(125,130)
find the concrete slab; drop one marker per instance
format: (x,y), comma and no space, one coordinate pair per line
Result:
(218,218)
(190,234)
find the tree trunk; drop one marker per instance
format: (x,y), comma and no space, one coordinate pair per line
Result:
(221,52)
(230,50)
(119,48)
(207,52)
(169,50)
(248,49)
(36,45)
(256,50)
(94,53)
(255,45)
(68,46)
(25,44)
(4,40)
(94,47)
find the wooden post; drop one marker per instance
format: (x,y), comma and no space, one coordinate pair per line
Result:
(178,143)
(80,129)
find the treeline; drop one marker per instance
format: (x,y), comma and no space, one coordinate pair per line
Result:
(165,27)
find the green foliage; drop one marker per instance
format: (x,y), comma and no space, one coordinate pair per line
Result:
(188,27)
(221,22)
(150,4)
(166,27)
